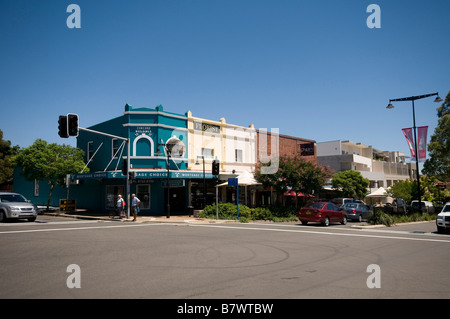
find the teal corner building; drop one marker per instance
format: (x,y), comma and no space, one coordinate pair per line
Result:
(158,157)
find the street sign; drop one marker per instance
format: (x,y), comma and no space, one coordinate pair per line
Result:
(232,182)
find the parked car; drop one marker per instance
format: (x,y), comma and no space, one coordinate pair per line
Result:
(398,206)
(356,211)
(427,207)
(322,212)
(341,201)
(13,205)
(443,219)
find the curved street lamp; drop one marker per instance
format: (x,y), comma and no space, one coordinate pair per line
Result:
(414,98)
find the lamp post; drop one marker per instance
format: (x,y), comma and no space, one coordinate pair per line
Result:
(168,175)
(204,178)
(412,99)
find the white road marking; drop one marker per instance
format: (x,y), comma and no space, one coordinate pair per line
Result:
(72,228)
(324,233)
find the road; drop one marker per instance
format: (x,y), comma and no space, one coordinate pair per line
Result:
(231,261)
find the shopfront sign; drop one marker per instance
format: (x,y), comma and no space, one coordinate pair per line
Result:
(144,175)
(205,127)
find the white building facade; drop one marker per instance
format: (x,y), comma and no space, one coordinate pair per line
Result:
(381,168)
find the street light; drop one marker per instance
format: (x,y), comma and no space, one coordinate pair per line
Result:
(204,179)
(412,99)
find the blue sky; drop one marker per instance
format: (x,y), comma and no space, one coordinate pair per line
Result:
(311,68)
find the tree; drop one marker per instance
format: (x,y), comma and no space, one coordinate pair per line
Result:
(406,189)
(350,183)
(438,163)
(6,152)
(50,162)
(294,173)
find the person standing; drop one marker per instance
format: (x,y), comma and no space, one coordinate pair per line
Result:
(120,204)
(134,205)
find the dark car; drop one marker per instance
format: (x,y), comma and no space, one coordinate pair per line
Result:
(322,212)
(357,211)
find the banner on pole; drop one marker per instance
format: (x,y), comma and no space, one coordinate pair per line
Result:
(409,139)
(422,143)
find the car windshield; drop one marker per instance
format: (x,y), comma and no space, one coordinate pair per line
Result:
(12,198)
(352,205)
(316,205)
(416,204)
(446,209)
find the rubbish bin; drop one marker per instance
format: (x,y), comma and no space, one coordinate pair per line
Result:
(190,210)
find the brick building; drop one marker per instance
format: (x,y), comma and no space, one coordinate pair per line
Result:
(282,145)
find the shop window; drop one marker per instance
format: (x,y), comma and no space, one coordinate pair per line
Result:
(143,193)
(112,193)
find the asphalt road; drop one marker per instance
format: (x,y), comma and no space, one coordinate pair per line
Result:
(231,261)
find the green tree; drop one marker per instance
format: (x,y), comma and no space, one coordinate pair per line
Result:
(350,183)
(6,152)
(294,173)
(406,189)
(50,162)
(438,163)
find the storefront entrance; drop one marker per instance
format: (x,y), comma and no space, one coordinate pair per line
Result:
(177,200)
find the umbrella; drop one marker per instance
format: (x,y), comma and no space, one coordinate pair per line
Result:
(245,179)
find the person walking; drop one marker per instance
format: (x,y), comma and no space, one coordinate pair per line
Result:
(134,205)
(120,204)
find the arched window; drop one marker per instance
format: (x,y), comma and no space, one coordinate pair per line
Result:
(143,146)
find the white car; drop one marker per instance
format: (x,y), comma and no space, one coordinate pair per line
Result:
(443,219)
(15,206)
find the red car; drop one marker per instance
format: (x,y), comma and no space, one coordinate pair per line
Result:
(322,212)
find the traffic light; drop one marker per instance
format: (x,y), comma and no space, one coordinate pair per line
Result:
(72,123)
(124,167)
(62,126)
(215,167)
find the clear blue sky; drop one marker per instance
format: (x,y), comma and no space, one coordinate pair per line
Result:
(311,68)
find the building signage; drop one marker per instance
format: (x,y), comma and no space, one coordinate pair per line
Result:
(205,127)
(144,175)
(307,149)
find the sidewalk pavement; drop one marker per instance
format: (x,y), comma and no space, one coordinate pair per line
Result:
(81,214)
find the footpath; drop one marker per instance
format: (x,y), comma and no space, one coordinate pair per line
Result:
(81,214)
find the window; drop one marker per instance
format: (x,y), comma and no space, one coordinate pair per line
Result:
(238,156)
(143,193)
(115,147)
(208,153)
(90,150)
(111,195)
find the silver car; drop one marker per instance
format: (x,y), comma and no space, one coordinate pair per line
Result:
(13,205)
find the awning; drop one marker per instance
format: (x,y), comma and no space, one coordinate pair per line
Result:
(380,192)
(298,194)
(245,179)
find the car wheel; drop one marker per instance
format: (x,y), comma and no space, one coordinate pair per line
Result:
(441,230)
(32,219)
(344,220)
(326,222)
(2,217)
(359,218)
(304,222)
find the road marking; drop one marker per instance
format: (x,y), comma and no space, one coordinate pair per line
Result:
(324,233)
(41,223)
(72,228)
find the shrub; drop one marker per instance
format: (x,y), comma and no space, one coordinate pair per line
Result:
(380,217)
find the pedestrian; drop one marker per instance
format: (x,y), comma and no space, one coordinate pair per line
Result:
(120,204)
(135,205)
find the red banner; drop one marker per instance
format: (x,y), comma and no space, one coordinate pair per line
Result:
(422,142)
(409,139)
